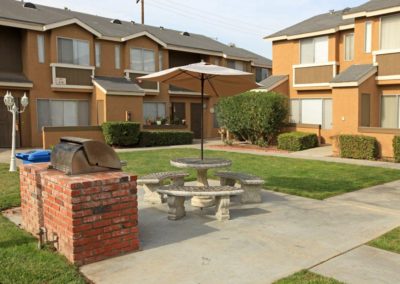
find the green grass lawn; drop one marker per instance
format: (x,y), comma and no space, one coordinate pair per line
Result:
(22,262)
(306,277)
(9,188)
(313,179)
(389,241)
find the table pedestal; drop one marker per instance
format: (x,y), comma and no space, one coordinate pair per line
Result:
(202,201)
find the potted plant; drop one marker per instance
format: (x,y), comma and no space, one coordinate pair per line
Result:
(183,121)
(159,120)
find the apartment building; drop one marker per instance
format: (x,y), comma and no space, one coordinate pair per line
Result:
(341,71)
(79,70)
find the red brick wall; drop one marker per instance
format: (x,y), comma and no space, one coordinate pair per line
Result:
(94,216)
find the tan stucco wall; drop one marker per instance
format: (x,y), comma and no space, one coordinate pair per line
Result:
(52,136)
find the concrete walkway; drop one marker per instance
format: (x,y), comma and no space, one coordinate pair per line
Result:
(260,244)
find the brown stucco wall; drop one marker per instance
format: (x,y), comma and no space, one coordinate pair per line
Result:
(51,135)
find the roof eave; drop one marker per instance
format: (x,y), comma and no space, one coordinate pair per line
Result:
(372,13)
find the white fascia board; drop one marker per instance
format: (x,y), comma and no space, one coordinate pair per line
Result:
(21,25)
(145,33)
(15,84)
(194,50)
(372,13)
(70,22)
(117,93)
(71,87)
(72,66)
(386,78)
(386,51)
(354,84)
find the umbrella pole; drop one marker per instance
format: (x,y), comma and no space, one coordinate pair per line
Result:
(202,118)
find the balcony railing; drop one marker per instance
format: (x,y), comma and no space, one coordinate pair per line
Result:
(388,64)
(72,76)
(148,87)
(177,91)
(314,75)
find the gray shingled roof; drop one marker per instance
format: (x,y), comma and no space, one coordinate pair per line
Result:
(13,77)
(43,15)
(354,73)
(374,5)
(113,84)
(272,80)
(315,24)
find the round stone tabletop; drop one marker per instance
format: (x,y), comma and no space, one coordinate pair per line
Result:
(196,163)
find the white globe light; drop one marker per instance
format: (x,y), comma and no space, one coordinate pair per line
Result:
(8,99)
(24,100)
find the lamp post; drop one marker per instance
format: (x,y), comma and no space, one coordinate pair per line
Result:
(11,107)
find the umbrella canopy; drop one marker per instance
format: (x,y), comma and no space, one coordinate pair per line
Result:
(207,79)
(218,80)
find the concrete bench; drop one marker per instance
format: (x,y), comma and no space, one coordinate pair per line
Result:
(176,198)
(251,185)
(153,181)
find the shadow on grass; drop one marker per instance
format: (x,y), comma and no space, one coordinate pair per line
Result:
(16,242)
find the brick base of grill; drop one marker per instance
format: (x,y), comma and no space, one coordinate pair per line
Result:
(93,216)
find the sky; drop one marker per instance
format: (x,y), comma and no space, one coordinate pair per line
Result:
(242,22)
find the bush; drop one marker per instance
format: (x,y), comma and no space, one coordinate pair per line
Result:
(253,116)
(297,141)
(358,147)
(396,148)
(165,138)
(121,133)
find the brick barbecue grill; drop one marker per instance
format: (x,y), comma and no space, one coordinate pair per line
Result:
(82,202)
(75,156)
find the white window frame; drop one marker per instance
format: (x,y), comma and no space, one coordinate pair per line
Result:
(368,37)
(73,55)
(323,126)
(314,50)
(97,51)
(117,56)
(142,58)
(41,48)
(388,50)
(346,58)
(157,103)
(73,100)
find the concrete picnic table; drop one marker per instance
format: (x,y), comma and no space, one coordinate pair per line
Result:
(201,166)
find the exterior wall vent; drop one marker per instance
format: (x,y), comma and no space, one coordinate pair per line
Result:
(185,33)
(116,21)
(29,5)
(133,22)
(161,28)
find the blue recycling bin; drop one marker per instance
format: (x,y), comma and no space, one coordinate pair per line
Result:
(35,156)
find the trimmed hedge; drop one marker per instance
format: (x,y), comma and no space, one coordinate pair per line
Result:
(358,147)
(120,133)
(396,148)
(297,141)
(165,138)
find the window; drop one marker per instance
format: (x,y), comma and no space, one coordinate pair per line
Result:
(368,37)
(349,47)
(160,60)
(217,61)
(40,45)
(261,74)
(178,113)
(62,113)
(117,57)
(73,51)
(238,65)
(390,112)
(143,60)
(97,48)
(314,50)
(390,36)
(152,111)
(215,118)
(311,111)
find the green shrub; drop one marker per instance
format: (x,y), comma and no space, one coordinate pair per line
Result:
(358,147)
(297,141)
(165,138)
(396,148)
(253,116)
(120,133)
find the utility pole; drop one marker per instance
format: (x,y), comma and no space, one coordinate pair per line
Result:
(142,2)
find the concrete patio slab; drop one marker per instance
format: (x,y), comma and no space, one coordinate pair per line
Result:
(260,244)
(363,265)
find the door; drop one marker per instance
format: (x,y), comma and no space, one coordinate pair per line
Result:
(6,126)
(195,116)
(365,110)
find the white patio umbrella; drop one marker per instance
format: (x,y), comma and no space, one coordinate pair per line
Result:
(207,79)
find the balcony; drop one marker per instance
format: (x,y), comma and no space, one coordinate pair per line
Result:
(72,76)
(148,87)
(314,75)
(388,64)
